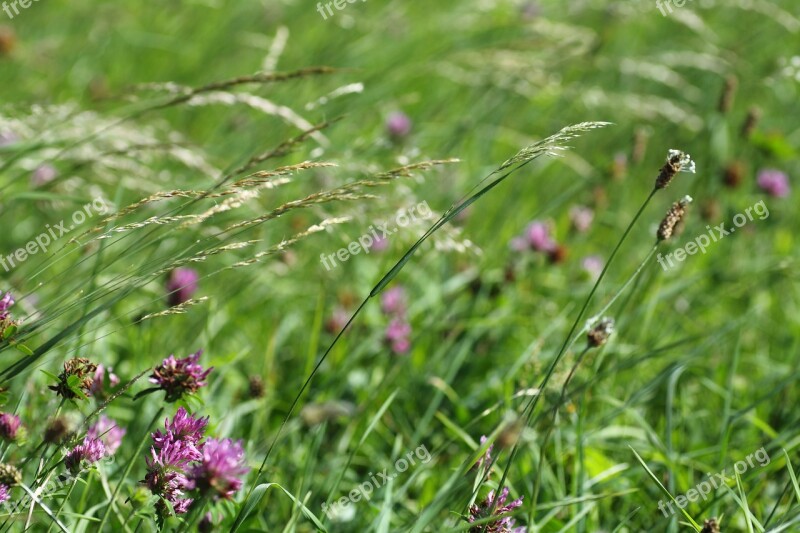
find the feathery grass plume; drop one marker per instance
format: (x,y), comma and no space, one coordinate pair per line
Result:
(550,146)
(673,218)
(677,161)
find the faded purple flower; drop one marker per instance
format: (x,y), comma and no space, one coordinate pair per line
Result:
(486,459)
(774,182)
(87,453)
(488,508)
(5,302)
(337,321)
(397,334)
(220,470)
(43,174)
(9,426)
(108,432)
(98,387)
(180,376)
(379,244)
(593,265)
(181,285)
(398,124)
(182,505)
(393,301)
(4,495)
(538,237)
(581,217)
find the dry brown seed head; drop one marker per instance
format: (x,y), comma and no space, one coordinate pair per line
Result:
(677,161)
(673,217)
(600,333)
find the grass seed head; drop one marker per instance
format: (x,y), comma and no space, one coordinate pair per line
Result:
(677,161)
(674,216)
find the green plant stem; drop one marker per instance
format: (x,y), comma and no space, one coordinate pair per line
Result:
(128,468)
(64,501)
(529,409)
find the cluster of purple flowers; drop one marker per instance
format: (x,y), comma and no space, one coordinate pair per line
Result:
(102,440)
(181,461)
(5,315)
(491,508)
(536,237)
(398,332)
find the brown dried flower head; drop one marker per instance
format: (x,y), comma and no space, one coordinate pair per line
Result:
(78,375)
(9,475)
(600,332)
(677,161)
(675,214)
(710,526)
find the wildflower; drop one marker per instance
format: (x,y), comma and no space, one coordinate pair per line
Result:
(85,454)
(183,428)
(256,387)
(379,244)
(397,333)
(774,182)
(581,218)
(9,426)
(166,473)
(393,301)
(4,496)
(43,174)
(677,161)
(76,379)
(180,376)
(486,459)
(337,321)
(672,218)
(600,333)
(488,508)
(537,235)
(9,475)
(398,125)
(220,470)
(98,388)
(710,526)
(181,285)
(5,302)
(108,432)
(593,265)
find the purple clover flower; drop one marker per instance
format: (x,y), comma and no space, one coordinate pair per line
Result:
(774,182)
(98,388)
(9,426)
(537,234)
(181,285)
(393,301)
(5,302)
(180,376)
(166,472)
(4,495)
(398,125)
(108,432)
(593,265)
(489,508)
(85,454)
(183,428)
(220,469)
(397,334)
